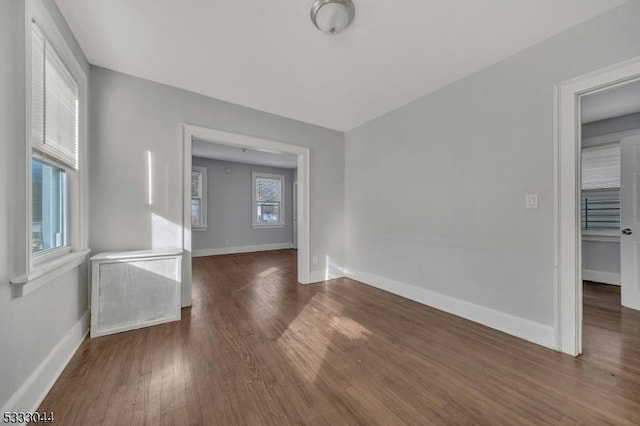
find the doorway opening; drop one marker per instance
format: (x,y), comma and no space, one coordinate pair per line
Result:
(261,174)
(610,124)
(573,98)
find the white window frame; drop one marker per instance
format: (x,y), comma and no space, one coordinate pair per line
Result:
(202,226)
(254,204)
(49,255)
(34,271)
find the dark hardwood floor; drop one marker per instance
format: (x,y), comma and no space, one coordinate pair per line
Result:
(257,348)
(611,333)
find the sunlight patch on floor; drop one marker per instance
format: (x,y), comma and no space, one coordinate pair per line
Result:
(349,328)
(268,272)
(307,345)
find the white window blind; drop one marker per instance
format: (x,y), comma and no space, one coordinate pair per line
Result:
(601,167)
(54,104)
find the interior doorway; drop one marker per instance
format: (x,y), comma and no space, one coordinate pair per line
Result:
(610,167)
(569,202)
(193,133)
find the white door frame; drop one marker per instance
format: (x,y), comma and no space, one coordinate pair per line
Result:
(568,247)
(189,132)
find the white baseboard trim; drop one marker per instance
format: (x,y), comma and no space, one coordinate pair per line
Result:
(332,273)
(601,277)
(240,249)
(532,331)
(33,391)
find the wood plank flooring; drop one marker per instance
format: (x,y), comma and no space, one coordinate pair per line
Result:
(256,348)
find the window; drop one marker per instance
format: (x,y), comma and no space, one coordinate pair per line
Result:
(198,198)
(268,200)
(55,191)
(48,211)
(601,187)
(54,144)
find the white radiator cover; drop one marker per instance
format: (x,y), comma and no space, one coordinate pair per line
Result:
(135,289)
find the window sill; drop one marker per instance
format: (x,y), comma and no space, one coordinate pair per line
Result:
(603,236)
(199,228)
(48,271)
(282,225)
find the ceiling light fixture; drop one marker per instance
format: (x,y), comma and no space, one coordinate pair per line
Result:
(332,16)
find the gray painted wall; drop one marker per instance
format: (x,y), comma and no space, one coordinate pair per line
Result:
(229,207)
(33,325)
(611,125)
(435,189)
(601,256)
(131,118)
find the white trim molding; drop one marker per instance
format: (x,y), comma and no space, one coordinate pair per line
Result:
(532,331)
(48,272)
(240,249)
(567,145)
(33,391)
(189,132)
(331,272)
(601,277)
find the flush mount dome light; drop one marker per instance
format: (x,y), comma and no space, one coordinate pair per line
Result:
(332,16)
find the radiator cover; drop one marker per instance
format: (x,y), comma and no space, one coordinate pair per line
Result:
(131,290)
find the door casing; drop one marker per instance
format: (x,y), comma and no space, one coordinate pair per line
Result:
(189,132)
(567,235)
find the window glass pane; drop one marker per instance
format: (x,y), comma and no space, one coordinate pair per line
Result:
(267,190)
(268,213)
(48,217)
(195,212)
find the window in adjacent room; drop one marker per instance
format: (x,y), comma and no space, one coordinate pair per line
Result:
(198,198)
(268,200)
(601,187)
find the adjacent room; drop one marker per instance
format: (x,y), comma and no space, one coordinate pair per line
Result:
(610,128)
(320,212)
(233,187)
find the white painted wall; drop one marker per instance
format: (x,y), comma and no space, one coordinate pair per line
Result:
(131,117)
(229,207)
(38,331)
(435,189)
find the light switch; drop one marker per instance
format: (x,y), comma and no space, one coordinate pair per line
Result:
(531,201)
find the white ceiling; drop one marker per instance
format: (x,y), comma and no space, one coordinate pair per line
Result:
(216,151)
(611,103)
(268,55)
